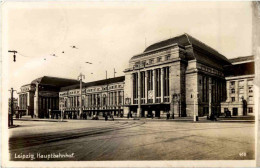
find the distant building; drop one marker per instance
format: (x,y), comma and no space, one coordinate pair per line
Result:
(98,97)
(42,94)
(179,75)
(240,86)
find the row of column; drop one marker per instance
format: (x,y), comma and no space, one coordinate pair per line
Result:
(48,103)
(93,99)
(153,84)
(23,101)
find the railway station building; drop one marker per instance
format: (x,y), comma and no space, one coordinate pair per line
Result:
(98,97)
(180,75)
(42,95)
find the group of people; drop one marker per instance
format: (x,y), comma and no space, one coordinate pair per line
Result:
(109,115)
(18,114)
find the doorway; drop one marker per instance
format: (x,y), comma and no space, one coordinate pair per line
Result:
(235,111)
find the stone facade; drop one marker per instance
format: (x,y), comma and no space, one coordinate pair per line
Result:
(98,98)
(240,87)
(26,99)
(194,69)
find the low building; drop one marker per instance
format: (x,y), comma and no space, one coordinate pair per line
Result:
(98,97)
(240,87)
(42,95)
(180,75)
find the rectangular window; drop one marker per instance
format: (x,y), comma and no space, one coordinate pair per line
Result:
(250,98)
(241,83)
(158,85)
(250,82)
(143,63)
(151,61)
(166,88)
(233,99)
(250,110)
(159,59)
(250,89)
(233,90)
(98,99)
(150,86)
(167,57)
(104,100)
(135,88)
(241,91)
(120,97)
(232,83)
(115,98)
(142,84)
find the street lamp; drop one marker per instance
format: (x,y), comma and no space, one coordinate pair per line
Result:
(80,77)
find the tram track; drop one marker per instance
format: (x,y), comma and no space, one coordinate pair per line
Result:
(21,142)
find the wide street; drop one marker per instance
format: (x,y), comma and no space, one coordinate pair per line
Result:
(133,140)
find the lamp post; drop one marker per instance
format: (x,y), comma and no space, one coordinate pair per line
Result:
(80,77)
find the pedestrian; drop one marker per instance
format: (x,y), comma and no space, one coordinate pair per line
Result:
(106,117)
(112,117)
(20,114)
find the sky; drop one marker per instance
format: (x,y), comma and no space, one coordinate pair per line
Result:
(108,34)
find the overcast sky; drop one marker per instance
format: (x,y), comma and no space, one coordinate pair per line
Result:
(108,34)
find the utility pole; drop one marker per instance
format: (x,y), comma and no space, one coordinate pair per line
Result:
(80,77)
(10,118)
(14,52)
(107,92)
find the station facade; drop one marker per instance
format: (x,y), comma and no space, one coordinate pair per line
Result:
(180,75)
(98,97)
(42,95)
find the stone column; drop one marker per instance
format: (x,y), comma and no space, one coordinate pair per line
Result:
(237,91)
(131,88)
(245,90)
(162,87)
(118,96)
(146,84)
(154,83)
(36,101)
(145,113)
(96,100)
(28,103)
(139,95)
(47,106)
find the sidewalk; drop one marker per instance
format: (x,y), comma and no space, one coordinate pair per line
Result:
(176,119)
